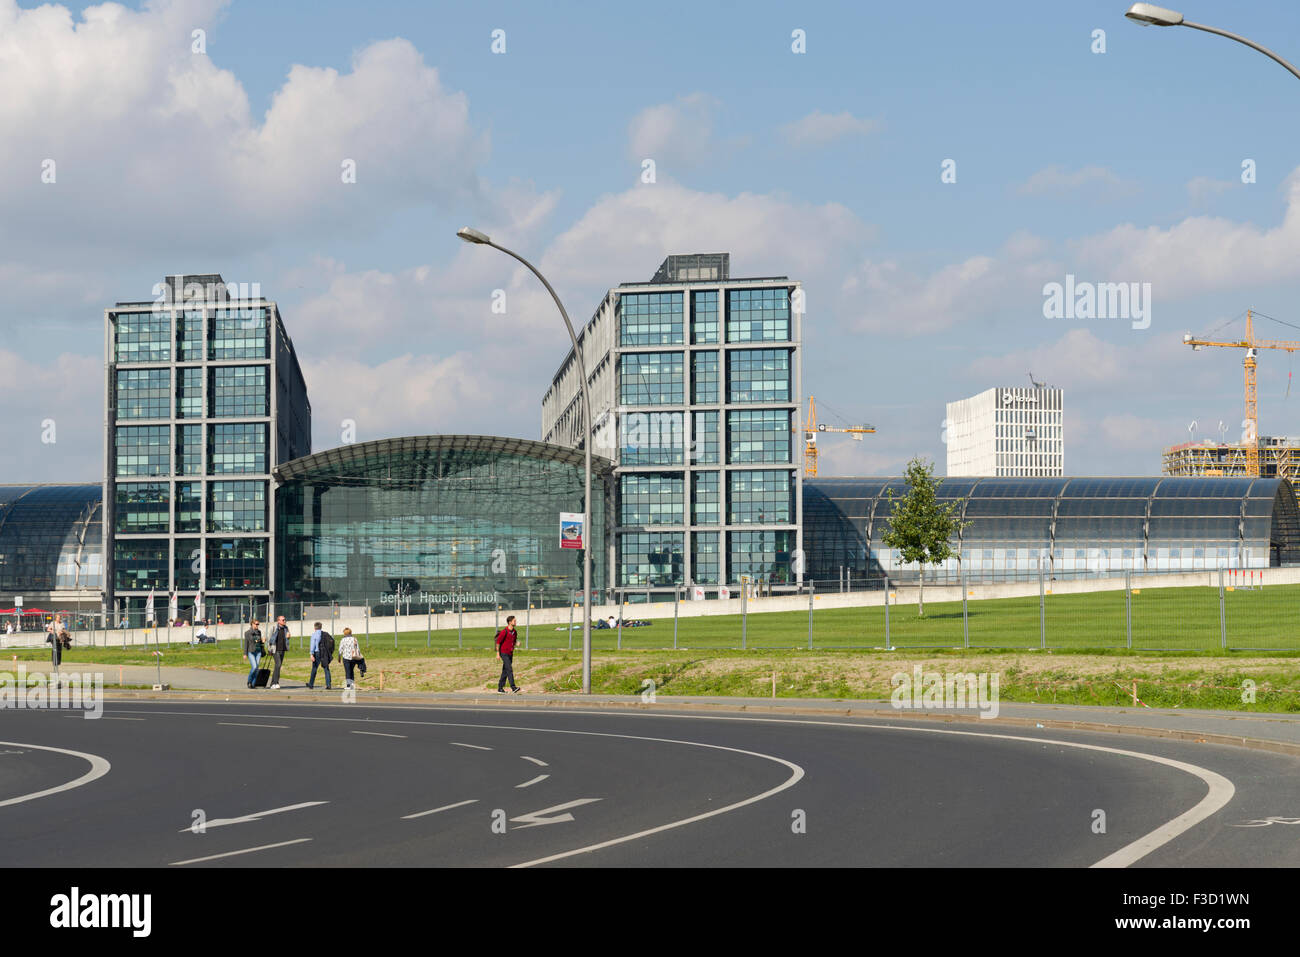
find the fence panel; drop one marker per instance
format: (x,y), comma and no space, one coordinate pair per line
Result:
(1086,619)
(1262,618)
(1175,619)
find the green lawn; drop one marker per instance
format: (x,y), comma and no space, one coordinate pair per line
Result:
(1162,619)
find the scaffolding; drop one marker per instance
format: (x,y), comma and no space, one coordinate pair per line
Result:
(1279,457)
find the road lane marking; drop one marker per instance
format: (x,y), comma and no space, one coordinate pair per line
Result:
(380,734)
(239,724)
(98,768)
(1220,791)
(536,819)
(476,747)
(445,807)
(247,850)
(536,761)
(537,780)
(109,717)
(246,818)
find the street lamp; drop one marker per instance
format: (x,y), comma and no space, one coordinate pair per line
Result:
(1148,14)
(481,239)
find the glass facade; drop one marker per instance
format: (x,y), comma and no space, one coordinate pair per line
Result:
(142,507)
(238,447)
(142,564)
(189,335)
(236,564)
(650,558)
(758,375)
(758,435)
(1072,526)
(704,378)
(706,498)
(760,497)
(763,556)
(239,334)
(189,450)
(144,393)
(704,316)
(237,507)
(706,555)
(189,392)
(650,499)
(239,392)
(652,438)
(475,519)
(651,378)
(143,450)
(187,563)
(189,507)
(50,537)
(650,319)
(142,337)
(706,444)
(758,315)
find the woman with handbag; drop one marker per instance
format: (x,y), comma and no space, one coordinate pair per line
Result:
(254,648)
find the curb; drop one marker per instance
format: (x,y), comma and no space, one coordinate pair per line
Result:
(308,697)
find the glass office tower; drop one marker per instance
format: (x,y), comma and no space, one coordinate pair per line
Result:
(694,380)
(204,397)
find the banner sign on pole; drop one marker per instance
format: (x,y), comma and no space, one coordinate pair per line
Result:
(571,530)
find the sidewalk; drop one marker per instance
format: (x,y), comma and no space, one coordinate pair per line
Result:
(1279,732)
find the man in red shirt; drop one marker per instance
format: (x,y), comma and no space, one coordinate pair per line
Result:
(506,641)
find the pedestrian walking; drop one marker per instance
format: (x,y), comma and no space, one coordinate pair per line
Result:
(350,655)
(254,648)
(279,648)
(505,642)
(322,650)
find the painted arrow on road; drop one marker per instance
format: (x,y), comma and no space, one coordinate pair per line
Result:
(534,818)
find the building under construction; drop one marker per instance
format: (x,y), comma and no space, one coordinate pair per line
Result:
(1279,457)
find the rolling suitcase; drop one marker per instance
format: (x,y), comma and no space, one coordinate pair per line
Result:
(263,674)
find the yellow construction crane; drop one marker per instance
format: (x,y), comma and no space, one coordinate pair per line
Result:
(811,428)
(1252,346)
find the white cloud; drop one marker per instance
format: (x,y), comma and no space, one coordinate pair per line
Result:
(65,393)
(1058,179)
(818,128)
(1201,188)
(156,149)
(676,134)
(1199,253)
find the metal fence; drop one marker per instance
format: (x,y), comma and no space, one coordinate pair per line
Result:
(1210,610)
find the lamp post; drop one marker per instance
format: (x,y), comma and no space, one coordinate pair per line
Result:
(481,239)
(1148,14)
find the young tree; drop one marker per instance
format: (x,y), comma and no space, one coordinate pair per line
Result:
(921,529)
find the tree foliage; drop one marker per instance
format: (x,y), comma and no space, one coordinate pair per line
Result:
(921,529)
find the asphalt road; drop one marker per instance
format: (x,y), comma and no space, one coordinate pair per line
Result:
(208,784)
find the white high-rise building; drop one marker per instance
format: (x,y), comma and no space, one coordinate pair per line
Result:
(1006,432)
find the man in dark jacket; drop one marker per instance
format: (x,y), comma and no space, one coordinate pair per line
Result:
(279,648)
(506,641)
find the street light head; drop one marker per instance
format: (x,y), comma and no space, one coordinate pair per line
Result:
(1148,14)
(474,236)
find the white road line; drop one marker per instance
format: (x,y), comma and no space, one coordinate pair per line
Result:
(109,717)
(536,761)
(98,768)
(238,724)
(247,850)
(476,747)
(1214,801)
(380,734)
(536,780)
(445,807)
(246,818)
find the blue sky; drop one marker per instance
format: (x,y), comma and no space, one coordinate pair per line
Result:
(1122,166)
